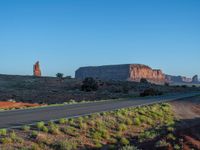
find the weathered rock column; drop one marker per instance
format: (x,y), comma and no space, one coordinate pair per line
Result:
(36,69)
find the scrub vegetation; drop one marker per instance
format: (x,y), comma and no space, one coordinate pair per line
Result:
(125,129)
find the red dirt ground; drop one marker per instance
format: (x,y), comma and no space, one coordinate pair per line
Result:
(10,105)
(188,112)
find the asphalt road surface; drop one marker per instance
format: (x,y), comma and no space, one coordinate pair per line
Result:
(17,118)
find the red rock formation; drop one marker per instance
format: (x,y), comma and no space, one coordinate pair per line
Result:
(131,72)
(36,69)
(137,72)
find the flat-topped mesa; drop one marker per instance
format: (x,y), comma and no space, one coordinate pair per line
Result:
(36,69)
(130,72)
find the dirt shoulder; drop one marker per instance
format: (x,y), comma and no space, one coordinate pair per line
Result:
(188,108)
(187,111)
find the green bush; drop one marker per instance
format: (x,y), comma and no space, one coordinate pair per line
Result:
(171,137)
(70,131)
(128,147)
(53,129)
(124,141)
(177,147)
(122,127)
(147,135)
(150,92)
(129,121)
(161,143)
(89,84)
(26,128)
(83,126)
(40,125)
(97,144)
(45,129)
(6,140)
(170,129)
(34,134)
(67,145)
(96,135)
(137,121)
(3,132)
(63,121)
(13,135)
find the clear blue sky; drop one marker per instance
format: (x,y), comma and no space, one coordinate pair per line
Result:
(66,34)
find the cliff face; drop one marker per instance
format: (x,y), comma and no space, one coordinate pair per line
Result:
(109,72)
(137,72)
(131,72)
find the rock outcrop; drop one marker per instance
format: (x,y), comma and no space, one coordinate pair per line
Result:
(131,72)
(181,79)
(195,79)
(142,71)
(36,69)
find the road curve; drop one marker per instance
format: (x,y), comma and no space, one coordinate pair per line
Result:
(16,118)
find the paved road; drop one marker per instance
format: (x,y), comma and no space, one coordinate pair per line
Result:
(15,118)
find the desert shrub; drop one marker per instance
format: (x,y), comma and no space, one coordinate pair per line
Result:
(105,134)
(97,144)
(26,128)
(35,146)
(53,129)
(184,86)
(34,134)
(45,129)
(129,121)
(63,121)
(147,135)
(3,132)
(83,126)
(161,143)
(89,84)
(171,137)
(6,140)
(150,92)
(124,141)
(166,84)
(40,125)
(59,75)
(122,127)
(169,122)
(177,147)
(13,135)
(70,131)
(128,147)
(143,80)
(170,129)
(96,135)
(137,121)
(149,121)
(66,145)
(71,121)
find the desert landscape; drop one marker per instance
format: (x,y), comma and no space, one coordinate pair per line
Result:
(99,75)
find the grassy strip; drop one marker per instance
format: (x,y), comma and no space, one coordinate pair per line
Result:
(112,130)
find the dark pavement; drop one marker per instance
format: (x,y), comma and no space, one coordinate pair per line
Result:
(15,118)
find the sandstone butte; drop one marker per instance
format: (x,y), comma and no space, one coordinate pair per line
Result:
(36,69)
(126,72)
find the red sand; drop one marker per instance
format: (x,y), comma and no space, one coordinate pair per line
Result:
(10,105)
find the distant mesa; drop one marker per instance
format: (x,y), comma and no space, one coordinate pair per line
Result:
(132,72)
(36,69)
(182,79)
(124,72)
